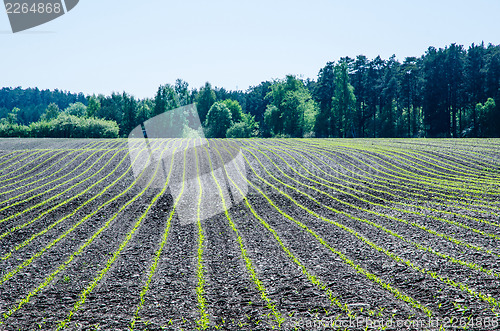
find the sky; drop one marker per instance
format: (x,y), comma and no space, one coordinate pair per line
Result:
(135,46)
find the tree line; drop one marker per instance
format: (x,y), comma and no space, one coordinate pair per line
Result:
(447,92)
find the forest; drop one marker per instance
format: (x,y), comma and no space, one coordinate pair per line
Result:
(447,92)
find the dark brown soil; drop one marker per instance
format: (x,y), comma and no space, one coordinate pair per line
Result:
(318,230)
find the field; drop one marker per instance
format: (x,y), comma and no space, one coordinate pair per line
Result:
(283,234)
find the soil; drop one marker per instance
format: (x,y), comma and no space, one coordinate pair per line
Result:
(85,256)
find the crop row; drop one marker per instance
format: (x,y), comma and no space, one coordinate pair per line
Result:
(431,214)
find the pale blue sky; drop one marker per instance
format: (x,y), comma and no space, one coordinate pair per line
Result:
(117,45)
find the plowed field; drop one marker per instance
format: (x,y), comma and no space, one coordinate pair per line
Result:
(290,234)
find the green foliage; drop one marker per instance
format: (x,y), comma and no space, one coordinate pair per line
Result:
(166,99)
(69,126)
(311,110)
(204,101)
(300,112)
(235,108)
(12,116)
(489,119)
(9,130)
(144,110)
(94,107)
(218,120)
(51,112)
(76,109)
(238,130)
(272,121)
(110,107)
(290,102)
(63,126)
(129,107)
(292,114)
(182,90)
(247,128)
(255,100)
(173,123)
(32,102)
(324,93)
(343,103)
